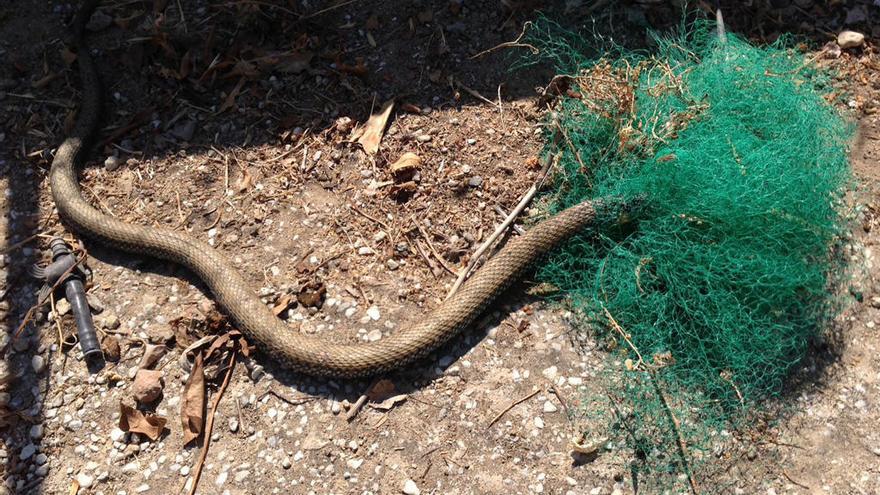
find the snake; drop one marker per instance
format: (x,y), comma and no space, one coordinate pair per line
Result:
(297,351)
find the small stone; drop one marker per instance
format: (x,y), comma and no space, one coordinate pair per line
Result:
(142,488)
(424,138)
(550,373)
(373,313)
(38,363)
(147,386)
(410,488)
(392,265)
(111,321)
(354,463)
(471,141)
(99,21)
(41,459)
(62,307)
(221,478)
(36,432)
(365,250)
(112,163)
(233,425)
(84,480)
(117,435)
(285,463)
(475,181)
(27,451)
(185,130)
(241,476)
(374,335)
(549,407)
(539,423)
(575,381)
(850,39)
(184,471)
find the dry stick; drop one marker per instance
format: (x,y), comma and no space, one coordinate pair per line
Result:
(475,94)
(434,251)
(526,198)
(511,406)
(209,427)
(511,44)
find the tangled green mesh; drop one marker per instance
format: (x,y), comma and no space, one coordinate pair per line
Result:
(739,166)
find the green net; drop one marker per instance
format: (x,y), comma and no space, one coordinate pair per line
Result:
(739,166)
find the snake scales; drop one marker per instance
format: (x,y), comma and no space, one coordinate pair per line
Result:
(299,352)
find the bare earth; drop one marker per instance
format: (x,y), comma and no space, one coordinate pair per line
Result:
(232,122)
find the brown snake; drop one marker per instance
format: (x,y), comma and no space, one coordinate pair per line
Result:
(297,351)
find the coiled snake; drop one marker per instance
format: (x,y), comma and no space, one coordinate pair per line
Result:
(297,351)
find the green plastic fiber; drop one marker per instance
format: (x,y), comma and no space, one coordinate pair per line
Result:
(728,273)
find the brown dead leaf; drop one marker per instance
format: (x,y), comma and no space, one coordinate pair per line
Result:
(44,81)
(410,108)
(67,56)
(229,102)
(372,23)
(282,304)
(381,390)
(130,419)
(192,409)
(243,68)
(372,132)
(246,180)
(390,402)
(185,65)
(294,63)
(407,164)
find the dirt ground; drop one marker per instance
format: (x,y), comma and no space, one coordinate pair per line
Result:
(232,122)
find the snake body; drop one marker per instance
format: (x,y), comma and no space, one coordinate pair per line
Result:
(299,352)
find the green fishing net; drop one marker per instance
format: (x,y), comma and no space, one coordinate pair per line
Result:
(712,295)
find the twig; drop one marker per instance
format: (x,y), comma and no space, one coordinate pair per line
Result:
(805,487)
(328,9)
(209,427)
(434,251)
(519,230)
(511,406)
(475,94)
(426,258)
(359,404)
(511,44)
(22,242)
(526,198)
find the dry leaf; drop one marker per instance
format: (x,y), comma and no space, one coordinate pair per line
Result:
(383,389)
(283,303)
(130,419)
(372,22)
(243,68)
(185,65)
(410,108)
(408,163)
(192,409)
(246,180)
(67,56)
(229,102)
(294,63)
(375,127)
(389,402)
